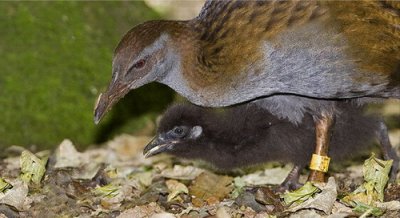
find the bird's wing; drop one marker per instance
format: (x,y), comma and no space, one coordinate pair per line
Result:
(238,27)
(231,34)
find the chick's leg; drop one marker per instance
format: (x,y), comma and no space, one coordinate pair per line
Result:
(292,180)
(320,160)
(387,149)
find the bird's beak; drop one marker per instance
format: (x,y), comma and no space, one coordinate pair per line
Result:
(106,100)
(158,145)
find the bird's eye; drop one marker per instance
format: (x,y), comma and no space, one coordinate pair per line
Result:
(178,131)
(139,64)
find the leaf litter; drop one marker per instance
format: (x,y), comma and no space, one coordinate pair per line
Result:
(116,180)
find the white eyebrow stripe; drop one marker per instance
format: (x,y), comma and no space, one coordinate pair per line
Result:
(155,46)
(115,76)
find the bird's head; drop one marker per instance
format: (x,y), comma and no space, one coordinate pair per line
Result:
(174,140)
(145,54)
(180,128)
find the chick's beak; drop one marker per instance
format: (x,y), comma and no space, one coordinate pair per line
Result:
(158,145)
(106,100)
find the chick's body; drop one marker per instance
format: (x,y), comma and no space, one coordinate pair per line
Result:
(247,135)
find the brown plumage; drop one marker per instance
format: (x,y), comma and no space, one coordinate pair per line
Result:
(372,29)
(235,51)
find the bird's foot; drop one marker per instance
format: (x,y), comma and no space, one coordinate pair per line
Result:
(389,153)
(394,170)
(288,186)
(292,180)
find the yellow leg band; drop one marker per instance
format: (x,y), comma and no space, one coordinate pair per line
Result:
(319,163)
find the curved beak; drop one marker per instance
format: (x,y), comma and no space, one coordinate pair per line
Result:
(106,100)
(158,145)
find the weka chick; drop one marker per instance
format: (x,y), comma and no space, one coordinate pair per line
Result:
(294,57)
(247,135)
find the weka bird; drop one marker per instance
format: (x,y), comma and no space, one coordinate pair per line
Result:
(290,57)
(247,135)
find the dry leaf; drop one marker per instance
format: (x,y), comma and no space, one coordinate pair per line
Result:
(67,155)
(273,176)
(109,190)
(4,185)
(322,201)
(390,205)
(17,196)
(175,188)
(300,195)
(365,197)
(222,213)
(163,215)
(182,172)
(142,211)
(33,168)
(127,147)
(208,186)
(305,214)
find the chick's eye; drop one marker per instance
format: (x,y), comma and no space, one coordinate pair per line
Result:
(139,64)
(178,130)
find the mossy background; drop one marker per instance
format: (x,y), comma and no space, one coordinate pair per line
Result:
(55,60)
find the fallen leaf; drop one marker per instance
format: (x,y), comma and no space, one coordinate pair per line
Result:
(300,195)
(142,211)
(265,215)
(175,188)
(182,172)
(212,200)
(305,214)
(141,180)
(109,190)
(390,205)
(339,208)
(86,171)
(273,176)
(365,198)
(367,210)
(197,202)
(127,147)
(4,185)
(16,196)
(114,195)
(322,201)
(238,184)
(208,185)
(376,174)
(222,213)
(67,155)
(33,167)
(267,197)
(163,215)
(247,199)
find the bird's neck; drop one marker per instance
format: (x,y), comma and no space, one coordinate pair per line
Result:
(185,49)
(193,73)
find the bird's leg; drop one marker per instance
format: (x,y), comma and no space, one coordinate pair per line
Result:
(387,149)
(292,180)
(320,161)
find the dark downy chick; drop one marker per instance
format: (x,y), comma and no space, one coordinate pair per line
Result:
(246,135)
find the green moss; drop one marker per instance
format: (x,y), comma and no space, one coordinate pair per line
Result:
(55,59)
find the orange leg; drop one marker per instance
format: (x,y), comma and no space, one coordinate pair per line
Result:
(320,161)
